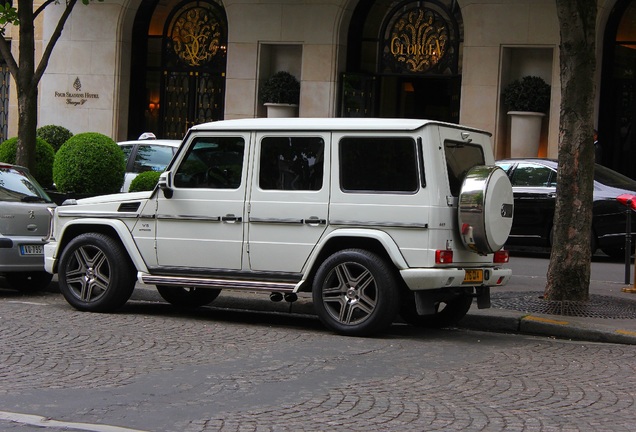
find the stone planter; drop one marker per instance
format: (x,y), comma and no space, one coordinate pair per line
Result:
(525,133)
(276,110)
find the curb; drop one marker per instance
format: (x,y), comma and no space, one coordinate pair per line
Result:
(561,327)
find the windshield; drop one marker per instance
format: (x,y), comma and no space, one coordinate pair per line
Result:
(612,178)
(17,185)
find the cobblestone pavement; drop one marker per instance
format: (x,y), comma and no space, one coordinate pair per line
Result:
(149,368)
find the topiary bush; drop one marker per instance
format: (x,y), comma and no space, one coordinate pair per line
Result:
(282,87)
(529,93)
(54,135)
(146,181)
(44,156)
(89,163)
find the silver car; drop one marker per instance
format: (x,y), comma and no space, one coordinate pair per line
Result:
(24,223)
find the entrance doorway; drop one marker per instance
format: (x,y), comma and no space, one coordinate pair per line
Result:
(617,113)
(433,98)
(406,64)
(178,66)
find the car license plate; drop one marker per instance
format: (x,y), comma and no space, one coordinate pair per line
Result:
(31,249)
(474,275)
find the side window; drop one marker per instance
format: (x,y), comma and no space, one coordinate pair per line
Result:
(152,158)
(212,162)
(369,164)
(291,163)
(532,175)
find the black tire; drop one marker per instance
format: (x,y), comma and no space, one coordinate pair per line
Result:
(28,281)
(448,312)
(355,293)
(95,273)
(186,297)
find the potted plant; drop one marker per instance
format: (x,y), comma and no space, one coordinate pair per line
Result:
(528,100)
(280,94)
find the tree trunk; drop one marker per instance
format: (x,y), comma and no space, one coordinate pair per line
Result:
(569,270)
(27,91)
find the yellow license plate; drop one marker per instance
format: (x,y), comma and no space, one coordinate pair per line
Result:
(475,275)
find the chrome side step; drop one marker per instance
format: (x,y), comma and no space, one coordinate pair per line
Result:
(234,284)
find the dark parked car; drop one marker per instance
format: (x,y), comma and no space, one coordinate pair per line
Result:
(24,223)
(534,188)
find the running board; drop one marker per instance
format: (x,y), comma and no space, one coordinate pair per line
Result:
(234,284)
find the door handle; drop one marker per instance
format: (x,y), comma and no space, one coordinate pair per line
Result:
(230,218)
(314,221)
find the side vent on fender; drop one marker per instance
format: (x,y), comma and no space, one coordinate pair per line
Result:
(129,207)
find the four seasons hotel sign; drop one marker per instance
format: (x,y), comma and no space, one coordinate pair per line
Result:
(77,97)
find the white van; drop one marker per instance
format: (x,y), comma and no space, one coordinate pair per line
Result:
(375,217)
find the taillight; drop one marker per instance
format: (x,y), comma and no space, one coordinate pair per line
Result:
(443,256)
(501,257)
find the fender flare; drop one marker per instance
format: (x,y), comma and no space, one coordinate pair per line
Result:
(120,228)
(385,240)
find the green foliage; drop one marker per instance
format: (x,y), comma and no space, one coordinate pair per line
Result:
(89,163)
(8,15)
(146,181)
(529,93)
(54,135)
(44,155)
(282,87)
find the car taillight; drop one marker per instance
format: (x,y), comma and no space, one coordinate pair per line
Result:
(501,257)
(443,256)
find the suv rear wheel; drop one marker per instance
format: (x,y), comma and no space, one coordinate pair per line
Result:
(95,273)
(355,293)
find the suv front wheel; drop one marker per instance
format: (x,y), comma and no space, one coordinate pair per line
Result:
(95,273)
(355,293)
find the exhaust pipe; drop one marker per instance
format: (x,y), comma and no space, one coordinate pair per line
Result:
(276,297)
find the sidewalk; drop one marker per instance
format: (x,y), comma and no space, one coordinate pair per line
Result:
(609,316)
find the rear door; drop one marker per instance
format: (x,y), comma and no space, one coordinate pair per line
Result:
(288,206)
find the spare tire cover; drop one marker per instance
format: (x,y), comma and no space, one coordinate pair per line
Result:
(485,209)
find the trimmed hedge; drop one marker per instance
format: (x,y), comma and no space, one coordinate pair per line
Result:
(146,181)
(44,156)
(89,163)
(54,135)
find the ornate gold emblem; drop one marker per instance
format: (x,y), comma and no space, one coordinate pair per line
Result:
(196,36)
(419,40)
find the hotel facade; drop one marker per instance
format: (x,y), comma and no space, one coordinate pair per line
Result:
(124,67)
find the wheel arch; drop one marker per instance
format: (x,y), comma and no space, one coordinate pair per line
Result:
(378,242)
(113,228)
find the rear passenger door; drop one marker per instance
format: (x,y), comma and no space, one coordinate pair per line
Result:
(288,205)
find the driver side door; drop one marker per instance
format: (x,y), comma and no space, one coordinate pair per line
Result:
(202,224)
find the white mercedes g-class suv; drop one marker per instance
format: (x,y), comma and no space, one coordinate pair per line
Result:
(374,217)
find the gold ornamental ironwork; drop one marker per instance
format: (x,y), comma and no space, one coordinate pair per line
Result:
(196,36)
(419,40)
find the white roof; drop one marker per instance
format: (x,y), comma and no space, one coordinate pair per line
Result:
(310,123)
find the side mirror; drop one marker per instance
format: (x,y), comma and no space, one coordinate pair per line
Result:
(165,184)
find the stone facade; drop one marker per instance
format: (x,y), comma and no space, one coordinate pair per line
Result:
(86,85)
